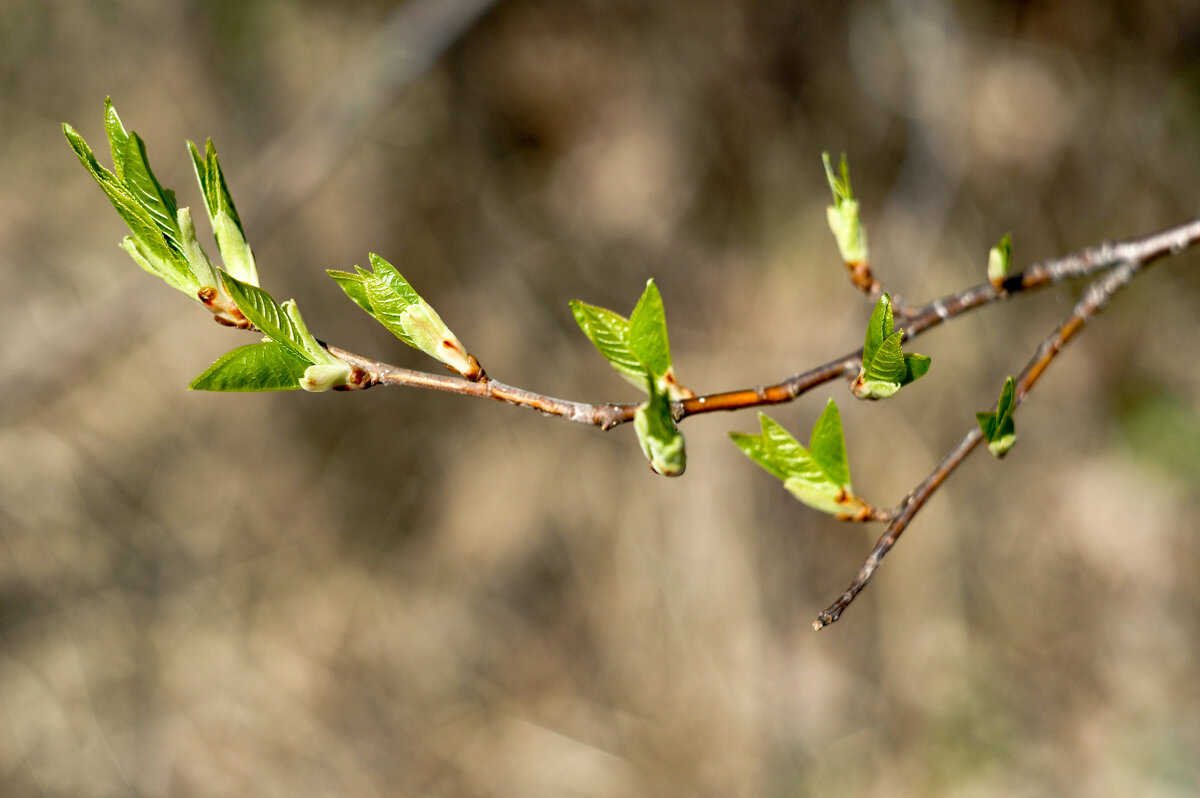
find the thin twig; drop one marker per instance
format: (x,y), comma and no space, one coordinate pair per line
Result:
(604,416)
(1093,301)
(916,321)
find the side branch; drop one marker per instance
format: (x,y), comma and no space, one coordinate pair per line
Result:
(604,416)
(1093,301)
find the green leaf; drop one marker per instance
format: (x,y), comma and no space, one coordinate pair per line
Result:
(236,254)
(999,429)
(660,439)
(392,301)
(879,328)
(636,347)
(648,332)
(266,366)
(353,285)
(827,445)
(999,261)
(167,262)
(217,198)
(141,182)
(267,315)
(886,368)
(819,476)
(149,210)
(117,137)
(280,323)
(887,365)
(915,367)
(387,272)
(843,215)
(609,333)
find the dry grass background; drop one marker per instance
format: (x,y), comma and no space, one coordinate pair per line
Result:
(405,594)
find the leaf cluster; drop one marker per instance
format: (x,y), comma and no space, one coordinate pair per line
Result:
(638,348)
(388,298)
(998,427)
(819,476)
(290,357)
(163,242)
(886,367)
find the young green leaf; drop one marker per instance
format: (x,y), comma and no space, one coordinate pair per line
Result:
(886,367)
(268,316)
(281,323)
(354,286)
(155,252)
(660,439)
(827,445)
(391,300)
(636,347)
(609,333)
(818,476)
(117,137)
(217,198)
(236,254)
(999,261)
(999,429)
(648,332)
(843,216)
(141,182)
(266,366)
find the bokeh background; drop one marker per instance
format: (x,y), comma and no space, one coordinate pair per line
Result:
(399,593)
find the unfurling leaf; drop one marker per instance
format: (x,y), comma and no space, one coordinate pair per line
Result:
(886,368)
(163,240)
(660,439)
(388,297)
(843,215)
(236,255)
(145,207)
(999,261)
(819,476)
(999,429)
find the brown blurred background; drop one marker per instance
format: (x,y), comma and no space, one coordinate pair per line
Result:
(399,593)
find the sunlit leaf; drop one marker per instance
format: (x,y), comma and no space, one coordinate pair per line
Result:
(648,332)
(818,476)
(886,367)
(392,301)
(998,427)
(266,366)
(843,217)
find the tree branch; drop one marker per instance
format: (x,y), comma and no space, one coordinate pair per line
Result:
(1136,259)
(915,321)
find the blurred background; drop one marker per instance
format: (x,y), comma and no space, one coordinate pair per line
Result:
(399,593)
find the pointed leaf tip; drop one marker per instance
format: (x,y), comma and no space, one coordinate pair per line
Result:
(648,332)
